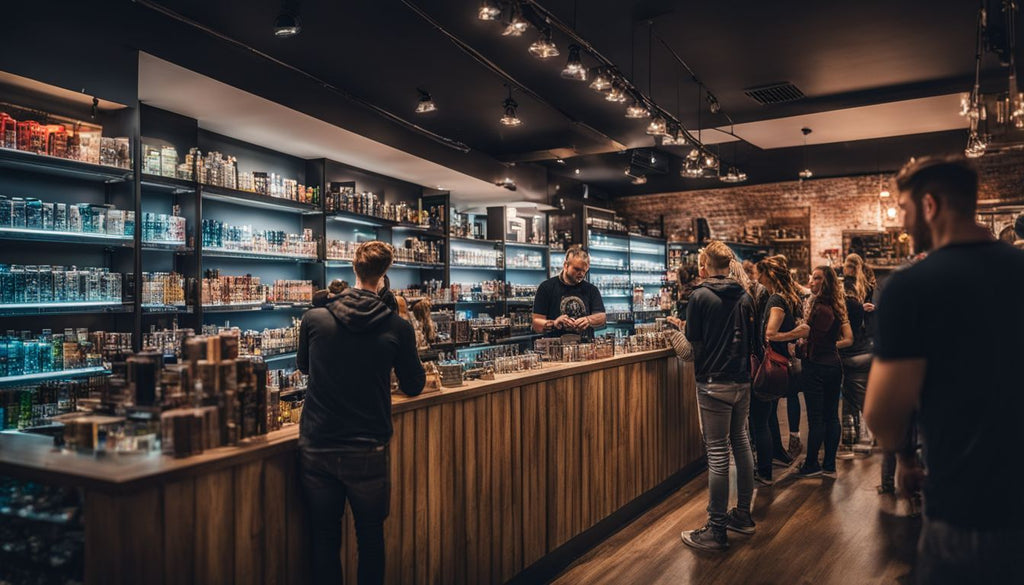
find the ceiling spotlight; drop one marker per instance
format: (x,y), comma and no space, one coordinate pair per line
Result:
(560,161)
(488,11)
(507,183)
(602,81)
(426,103)
(543,48)
(511,118)
(288,24)
(713,106)
(733,175)
(635,111)
(576,171)
(692,165)
(806,174)
(657,126)
(883,193)
(574,68)
(615,95)
(517,25)
(709,162)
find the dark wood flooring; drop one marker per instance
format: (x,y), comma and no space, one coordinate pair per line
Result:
(810,531)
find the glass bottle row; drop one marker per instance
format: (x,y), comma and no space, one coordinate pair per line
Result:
(57,284)
(221,236)
(22,353)
(85,218)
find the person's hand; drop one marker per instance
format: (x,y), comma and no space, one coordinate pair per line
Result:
(675,322)
(910,476)
(582,324)
(564,322)
(869,307)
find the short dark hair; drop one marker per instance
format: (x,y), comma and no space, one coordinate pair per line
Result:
(372,260)
(953,180)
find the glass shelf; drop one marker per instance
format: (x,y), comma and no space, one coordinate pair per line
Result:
(475,242)
(530,246)
(404,227)
(34,235)
(473,267)
(616,249)
(174,309)
(62,167)
(518,269)
(280,356)
(165,246)
(245,307)
(427,265)
(246,255)
(58,375)
(248,199)
(56,308)
(170,185)
(646,252)
(359,219)
(338,263)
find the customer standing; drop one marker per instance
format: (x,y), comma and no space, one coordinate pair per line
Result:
(856,358)
(828,330)
(348,349)
(720,327)
(965,381)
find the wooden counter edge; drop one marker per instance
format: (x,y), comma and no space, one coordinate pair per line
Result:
(34,457)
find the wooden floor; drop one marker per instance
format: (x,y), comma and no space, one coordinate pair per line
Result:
(812,531)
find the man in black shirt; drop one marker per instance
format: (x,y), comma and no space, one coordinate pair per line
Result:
(348,348)
(566,303)
(962,376)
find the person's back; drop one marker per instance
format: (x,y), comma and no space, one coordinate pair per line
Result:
(719,325)
(351,346)
(972,399)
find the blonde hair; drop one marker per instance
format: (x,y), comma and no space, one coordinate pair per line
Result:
(718,255)
(421,311)
(860,277)
(403,307)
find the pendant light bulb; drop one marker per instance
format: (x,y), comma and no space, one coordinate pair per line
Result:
(288,24)
(976,146)
(543,48)
(516,27)
(615,95)
(657,126)
(733,175)
(602,81)
(488,11)
(639,180)
(637,112)
(574,68)
(426,103)
(511,117)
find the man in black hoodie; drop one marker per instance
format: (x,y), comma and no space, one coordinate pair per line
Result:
(720,327)
(348,348)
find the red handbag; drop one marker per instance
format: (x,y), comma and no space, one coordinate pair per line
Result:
(770,374)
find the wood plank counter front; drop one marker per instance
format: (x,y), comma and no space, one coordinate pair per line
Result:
(487,480)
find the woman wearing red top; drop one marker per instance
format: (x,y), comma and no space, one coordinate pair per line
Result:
(828,331)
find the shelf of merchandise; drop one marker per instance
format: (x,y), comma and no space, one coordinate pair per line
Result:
(168,184)
(338,263)
(248,199)
(426,265)
(62,167)
(76,238)
(23,379)
(280,356)
(165,246)
(518,269)
(247,307)
(53,308)
(166,309)
(475,267)
(246,255)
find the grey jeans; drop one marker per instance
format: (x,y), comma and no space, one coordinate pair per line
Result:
(948,554)
(723,422)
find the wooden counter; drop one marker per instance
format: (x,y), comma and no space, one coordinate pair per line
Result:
(487,479)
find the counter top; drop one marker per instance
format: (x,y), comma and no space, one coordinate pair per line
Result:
(34,457)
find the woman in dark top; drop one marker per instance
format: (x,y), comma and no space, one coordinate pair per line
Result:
(856,363)
(828,331)
(775,323)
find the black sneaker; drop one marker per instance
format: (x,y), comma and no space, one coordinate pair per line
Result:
(829,473)
(782,460)
(740,522)
(804,473)
(763,481)
(707,538)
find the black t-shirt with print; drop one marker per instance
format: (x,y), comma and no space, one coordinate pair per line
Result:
(961,310)
(555,298)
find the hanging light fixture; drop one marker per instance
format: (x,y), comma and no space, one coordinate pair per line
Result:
(692,165)
(972,105)
(602,80)
(517,25)
(709,164)
(426,103)
(639,180)
(511,118)
(288,24)
(657,127)
(672,136)
(488,11)
(733,175)
(635,111)
(806,173)
(543,48)
(615,94)
(574,68)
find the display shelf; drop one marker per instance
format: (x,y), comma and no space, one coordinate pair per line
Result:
(518,269)
(607,232)
(419,229)
(280,356)
(338,263)
(292,392)
(509,244)
(473,267)
(168,184)
(639,271)
(52,308)
(644,252)
(430,265)
(165,246)
(789,240)
(475,242)
(612,268)
(77,238)
(246,255)
(174,309)
(67,518)
(61,167)
(612,249)
(615,296)
(247,199)
(359,219)
(23,379)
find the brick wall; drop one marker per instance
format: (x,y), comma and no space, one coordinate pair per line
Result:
(837,204)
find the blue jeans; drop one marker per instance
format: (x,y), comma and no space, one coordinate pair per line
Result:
(949,554)
(724,407)
(361,476)
(821,385)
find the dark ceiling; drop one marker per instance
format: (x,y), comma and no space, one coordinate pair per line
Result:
(839,54)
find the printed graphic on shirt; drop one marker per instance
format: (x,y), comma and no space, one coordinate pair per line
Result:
(574,307)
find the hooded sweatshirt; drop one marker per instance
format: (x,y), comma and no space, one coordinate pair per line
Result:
(720,327)
(348,349)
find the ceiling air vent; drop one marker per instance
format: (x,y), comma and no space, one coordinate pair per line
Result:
(776,93)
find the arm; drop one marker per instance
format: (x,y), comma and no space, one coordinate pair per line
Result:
(408,367)
(595,320)
(302,355)
(846,338)
(775,317)
(894,389)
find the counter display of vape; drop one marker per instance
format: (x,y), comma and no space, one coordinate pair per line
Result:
(42,539)
(54,285)
(222,237)
(257,344)
(61,137)
(24,407)
(36,215)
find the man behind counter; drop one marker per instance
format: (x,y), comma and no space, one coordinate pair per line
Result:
(566,303)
